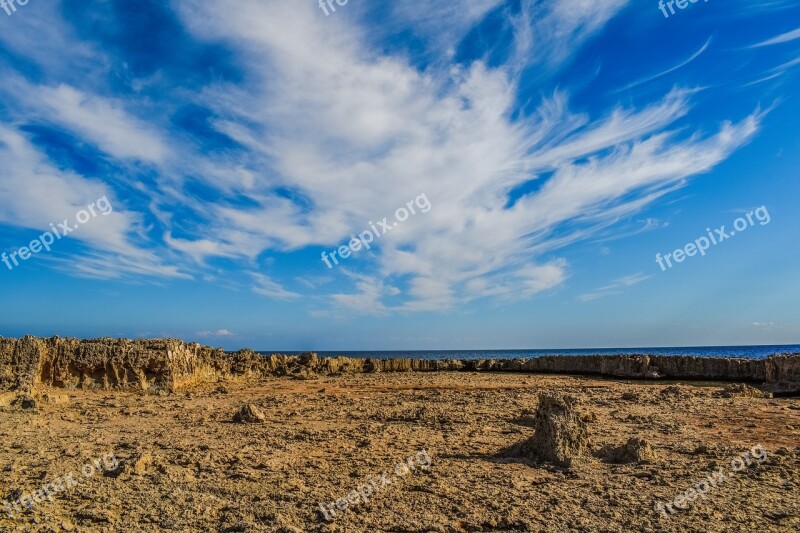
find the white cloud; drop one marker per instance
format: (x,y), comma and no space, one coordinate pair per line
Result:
(427,21)
(220,333)
(101,121)
(615,287)
(348,135)
(265,286)
(34,193)
(357,135)
(679,66)
(780,39)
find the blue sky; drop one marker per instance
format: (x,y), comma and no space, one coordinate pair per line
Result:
(561,145)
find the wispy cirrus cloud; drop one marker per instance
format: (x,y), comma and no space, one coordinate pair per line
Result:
(323,131)
(779,39)
(615,287)
(264,286)
(679,66)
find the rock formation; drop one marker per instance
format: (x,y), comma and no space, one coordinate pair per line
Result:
(249,414)
(560,434)
(636,451)
(173,365)
(740,390)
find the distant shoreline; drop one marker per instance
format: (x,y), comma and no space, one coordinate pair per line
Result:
(746,352)
(175,365)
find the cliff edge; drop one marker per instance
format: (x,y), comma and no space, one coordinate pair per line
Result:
(173,365)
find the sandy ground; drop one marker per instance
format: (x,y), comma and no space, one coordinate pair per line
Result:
(184,465)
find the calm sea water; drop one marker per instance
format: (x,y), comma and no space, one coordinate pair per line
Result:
(750,352)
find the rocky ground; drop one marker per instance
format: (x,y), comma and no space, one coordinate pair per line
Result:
(186,465)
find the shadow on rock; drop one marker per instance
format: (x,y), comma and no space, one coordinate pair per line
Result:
(560,436)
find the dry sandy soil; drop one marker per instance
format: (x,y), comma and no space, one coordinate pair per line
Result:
(186,466)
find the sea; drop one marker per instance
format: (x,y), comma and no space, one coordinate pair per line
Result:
(748,352)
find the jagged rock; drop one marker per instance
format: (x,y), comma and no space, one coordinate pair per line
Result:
(560,434)
(309,359)
(249,414)
(740,390)
(171,365)
(634,451)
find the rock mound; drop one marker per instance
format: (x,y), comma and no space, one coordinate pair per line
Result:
(636,451)
(249,414)
(560,434)
(740,390)
(673,390)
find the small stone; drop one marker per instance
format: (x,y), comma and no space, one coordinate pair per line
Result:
(139,464)
(249,414)
(634,451)
(672,390)
(701,449)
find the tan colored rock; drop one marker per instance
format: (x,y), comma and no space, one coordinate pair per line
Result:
(636,451)
(141,463)
(249,414)
(172,365)
(560,434)
(740,390)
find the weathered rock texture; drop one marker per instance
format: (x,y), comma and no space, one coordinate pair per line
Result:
(249,414)
(171,364)
(636,451)
(560,434)
(740,390)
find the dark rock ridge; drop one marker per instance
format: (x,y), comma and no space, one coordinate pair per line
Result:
(172,365)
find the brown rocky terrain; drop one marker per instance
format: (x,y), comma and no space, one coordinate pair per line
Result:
(207,441)
(173,365)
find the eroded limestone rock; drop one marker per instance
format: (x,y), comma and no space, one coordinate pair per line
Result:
(560,434)
(249,414)
(635,451)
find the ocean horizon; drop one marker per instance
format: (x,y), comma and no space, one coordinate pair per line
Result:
(747,352)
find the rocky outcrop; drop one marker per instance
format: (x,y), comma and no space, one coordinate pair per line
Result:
(639,366)
(560,435)
(782,372)
(171,364)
